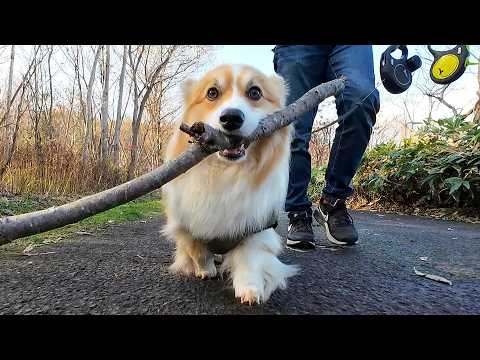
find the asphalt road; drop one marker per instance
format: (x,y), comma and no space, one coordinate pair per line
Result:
(123,270)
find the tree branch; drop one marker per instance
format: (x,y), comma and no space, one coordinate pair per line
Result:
(209,141)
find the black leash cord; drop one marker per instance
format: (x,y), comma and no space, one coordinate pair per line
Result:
(349,112)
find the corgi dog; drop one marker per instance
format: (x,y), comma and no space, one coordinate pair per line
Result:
(228,203)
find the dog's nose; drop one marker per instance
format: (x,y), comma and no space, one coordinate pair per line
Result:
(232,119)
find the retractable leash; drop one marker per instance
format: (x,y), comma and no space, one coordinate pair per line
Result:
(349,112)
(395,74)
(449,65)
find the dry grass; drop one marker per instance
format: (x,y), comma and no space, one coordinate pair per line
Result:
(467,215)
(56,168)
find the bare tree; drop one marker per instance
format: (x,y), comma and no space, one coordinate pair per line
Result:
(8,126)
(163,68)
(11,142)
(11,149)
(476,108)
(80,93)
(50,108)
(89,108)
(104,110)
(59,128)
(438,93)
(119,119)
(74,56)
(36,109)
(142,93)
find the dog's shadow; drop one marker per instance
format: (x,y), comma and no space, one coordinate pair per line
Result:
(217,296)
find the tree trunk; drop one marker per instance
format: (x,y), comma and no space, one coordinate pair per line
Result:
(133,150)
(118,122)
(11,149)
(8,127)
(104,110)
(476,116)
(137,118)
(36,115)
(80,94)
(10,77)
(133,159)
(210,140)
(50,108)
(10,145)
(89,110)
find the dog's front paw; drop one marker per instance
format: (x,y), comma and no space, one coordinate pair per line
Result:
(182,266)
(248,295)
(210,271)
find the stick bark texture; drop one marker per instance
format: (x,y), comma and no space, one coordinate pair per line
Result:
(207,140)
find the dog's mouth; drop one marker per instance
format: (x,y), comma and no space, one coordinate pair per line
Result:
(233,154)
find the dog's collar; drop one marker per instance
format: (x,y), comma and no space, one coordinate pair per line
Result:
(224,245)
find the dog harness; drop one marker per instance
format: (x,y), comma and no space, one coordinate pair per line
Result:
(223,245)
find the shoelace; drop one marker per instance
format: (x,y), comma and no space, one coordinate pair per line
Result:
(340,215)
(299,222)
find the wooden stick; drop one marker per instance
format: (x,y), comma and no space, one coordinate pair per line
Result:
(209,140)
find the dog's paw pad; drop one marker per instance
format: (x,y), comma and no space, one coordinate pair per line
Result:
(206,274)
(249,296)
(181,268)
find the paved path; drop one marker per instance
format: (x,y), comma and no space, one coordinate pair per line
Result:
(123,270)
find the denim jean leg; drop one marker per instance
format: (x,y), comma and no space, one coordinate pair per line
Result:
(353,134)
(303,68)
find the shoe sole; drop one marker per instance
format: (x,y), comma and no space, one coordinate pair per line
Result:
(330,238)
(299,250)
(292,244)
(296,242)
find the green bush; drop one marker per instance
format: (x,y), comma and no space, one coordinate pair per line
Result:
(317,182)
(438,166)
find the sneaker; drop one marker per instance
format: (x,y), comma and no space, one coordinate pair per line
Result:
(333,214)
(300,232)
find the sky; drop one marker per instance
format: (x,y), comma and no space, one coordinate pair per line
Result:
(462,93)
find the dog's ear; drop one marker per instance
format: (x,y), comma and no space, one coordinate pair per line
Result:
(188,88)
(281,88)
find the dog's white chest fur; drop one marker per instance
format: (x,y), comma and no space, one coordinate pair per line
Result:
(213,200)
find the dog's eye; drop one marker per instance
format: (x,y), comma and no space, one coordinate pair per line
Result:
(212,93)
(254,93)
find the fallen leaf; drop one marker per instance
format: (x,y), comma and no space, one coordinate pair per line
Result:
(432,277)
(83,233)
(331,248)
(298,250)
(28,249)
(44,253)
(168,302)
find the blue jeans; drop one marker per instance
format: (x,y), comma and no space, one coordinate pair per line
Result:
(306,66)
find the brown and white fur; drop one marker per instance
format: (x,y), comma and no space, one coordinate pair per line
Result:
(220,197)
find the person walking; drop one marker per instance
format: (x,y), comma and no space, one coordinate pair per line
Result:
(304,67)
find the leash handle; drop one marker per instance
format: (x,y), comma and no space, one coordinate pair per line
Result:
(449,65)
